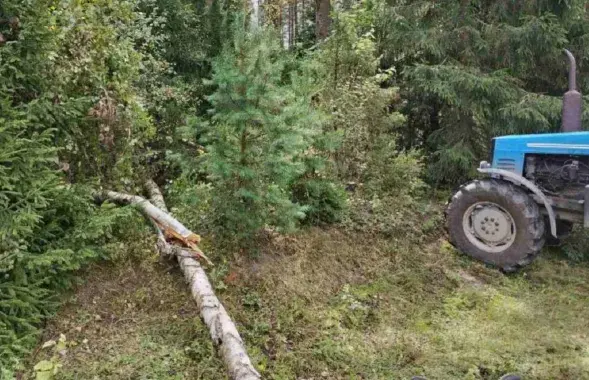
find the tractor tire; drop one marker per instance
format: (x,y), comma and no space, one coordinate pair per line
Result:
(495,222)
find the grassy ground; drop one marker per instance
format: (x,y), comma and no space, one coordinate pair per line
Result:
(332,305)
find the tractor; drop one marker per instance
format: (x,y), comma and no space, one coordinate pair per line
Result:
(535,188)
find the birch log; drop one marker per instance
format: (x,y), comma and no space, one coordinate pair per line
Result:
(222,329)
(165,220)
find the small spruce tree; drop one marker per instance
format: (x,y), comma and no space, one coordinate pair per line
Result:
(263,125)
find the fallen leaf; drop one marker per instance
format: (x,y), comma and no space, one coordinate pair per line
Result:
(49,343)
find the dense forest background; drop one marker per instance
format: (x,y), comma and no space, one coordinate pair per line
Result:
(254,117)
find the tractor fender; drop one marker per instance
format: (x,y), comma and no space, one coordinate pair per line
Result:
(521,181)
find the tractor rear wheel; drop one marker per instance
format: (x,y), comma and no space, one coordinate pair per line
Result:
(496,222)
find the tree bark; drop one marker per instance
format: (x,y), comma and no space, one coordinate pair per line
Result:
(255,15)
(322,19)
(164,220)
(285,26)
(296,20)
(222,329)
(303,14)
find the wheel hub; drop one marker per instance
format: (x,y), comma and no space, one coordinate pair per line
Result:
(489,226)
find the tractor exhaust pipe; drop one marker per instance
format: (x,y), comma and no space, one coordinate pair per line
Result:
(572,106)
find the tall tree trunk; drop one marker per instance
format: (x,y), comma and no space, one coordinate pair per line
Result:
(290,24)
(322,19)
(255,14)
(296,20)
(285,26)
(303,14)
(277,19)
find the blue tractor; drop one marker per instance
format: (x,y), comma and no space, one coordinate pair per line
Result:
(536,188)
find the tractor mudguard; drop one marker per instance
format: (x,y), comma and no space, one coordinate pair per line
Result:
(521,181)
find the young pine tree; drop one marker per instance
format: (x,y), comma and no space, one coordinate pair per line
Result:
(262,126)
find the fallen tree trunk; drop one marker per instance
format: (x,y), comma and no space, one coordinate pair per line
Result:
(162,220)
(221,327)
(169,224)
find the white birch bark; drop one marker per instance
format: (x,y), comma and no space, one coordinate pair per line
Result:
(167,222)
(222,329)
(285,26)
(255,14)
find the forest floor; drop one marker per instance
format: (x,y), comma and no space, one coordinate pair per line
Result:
(325,304)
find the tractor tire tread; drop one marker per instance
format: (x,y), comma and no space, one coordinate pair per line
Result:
(531,219)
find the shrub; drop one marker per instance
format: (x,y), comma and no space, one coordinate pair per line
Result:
(325,200)
(395,173)
(575,246)
(67,104)
(192,203)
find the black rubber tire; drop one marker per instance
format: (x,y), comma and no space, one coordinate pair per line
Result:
(529,223)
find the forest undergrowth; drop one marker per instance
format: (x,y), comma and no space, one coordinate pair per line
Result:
(331,303)
(308,143)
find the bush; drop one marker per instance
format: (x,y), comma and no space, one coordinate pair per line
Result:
(326,202)
(393,173)
(360,114)
(360,106)
(192,203)
(27,186)
(67,105)
(576,246)
(390,201)
(40,247)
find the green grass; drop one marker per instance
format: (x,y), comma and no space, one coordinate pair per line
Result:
(333,305)
(132,319)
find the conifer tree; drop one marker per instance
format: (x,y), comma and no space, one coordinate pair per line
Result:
(262,124)
(474,70)
(60,82)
